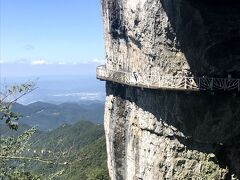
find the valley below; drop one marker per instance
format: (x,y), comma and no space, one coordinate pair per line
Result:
(47,116)
(69,142)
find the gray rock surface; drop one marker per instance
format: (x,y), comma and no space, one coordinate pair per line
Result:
(174,36)
(154,134)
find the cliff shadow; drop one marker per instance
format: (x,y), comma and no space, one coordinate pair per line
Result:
(210,122)
(208,33)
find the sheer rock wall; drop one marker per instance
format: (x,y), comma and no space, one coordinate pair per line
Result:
(168,134)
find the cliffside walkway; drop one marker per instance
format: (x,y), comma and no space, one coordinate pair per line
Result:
(168,82)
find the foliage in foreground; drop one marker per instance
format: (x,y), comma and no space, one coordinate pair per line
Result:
(8,98)
(11,148)
(69,152)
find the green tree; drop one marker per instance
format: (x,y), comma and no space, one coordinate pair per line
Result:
(15,152)
(8,97)
(11,148)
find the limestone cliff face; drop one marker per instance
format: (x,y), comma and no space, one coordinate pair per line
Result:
(154,134)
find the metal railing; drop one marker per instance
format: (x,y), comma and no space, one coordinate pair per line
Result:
(168,82)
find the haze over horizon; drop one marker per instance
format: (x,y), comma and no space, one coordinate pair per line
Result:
(54,42)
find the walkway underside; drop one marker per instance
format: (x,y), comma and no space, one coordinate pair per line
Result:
(168,82)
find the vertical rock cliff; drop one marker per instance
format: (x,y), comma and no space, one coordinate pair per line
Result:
(157,134)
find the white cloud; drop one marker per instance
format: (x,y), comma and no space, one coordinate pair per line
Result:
(38,62)
(62,63)
(44,62)
(81,95)
(97,61)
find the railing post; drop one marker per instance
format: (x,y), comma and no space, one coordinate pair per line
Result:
(185,85)
(191,83)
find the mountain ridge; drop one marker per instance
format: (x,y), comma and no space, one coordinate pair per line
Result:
(47,116)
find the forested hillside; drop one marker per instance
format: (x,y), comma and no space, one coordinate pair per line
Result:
(73,152)
(48,116)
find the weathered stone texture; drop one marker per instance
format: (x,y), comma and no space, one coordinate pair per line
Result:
(152,134)
(172,135)
(174,36)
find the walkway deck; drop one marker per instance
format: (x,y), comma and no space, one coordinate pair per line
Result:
(168,82)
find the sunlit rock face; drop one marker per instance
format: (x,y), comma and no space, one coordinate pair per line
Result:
(174,37)
(154,134)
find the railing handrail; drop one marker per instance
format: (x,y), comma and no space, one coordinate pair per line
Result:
(168,82)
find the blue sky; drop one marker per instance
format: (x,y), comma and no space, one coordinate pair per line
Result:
(58,42)
(51,31)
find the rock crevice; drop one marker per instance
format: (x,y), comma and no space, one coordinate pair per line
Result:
(160,134)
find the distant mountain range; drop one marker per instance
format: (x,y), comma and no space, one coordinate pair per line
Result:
(47,116)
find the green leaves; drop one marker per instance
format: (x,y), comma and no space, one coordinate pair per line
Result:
(22,88)
(17,174)
(12,147)
(8,98)
(7,115)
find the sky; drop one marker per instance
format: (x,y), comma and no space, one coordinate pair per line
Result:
(51,31)
(57,43)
